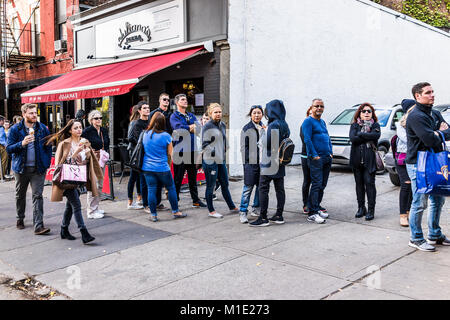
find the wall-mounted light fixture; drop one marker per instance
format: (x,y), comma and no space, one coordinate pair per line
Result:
(91,57)
(128,47)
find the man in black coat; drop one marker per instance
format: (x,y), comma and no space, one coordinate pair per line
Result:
(423,128)
(164,108)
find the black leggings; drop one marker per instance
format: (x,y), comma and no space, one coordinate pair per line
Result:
(306,182)
(365,184)
(405,197)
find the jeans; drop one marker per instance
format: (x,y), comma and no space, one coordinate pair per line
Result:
(179,170)
(144,191)
(30,176)
(264,188)
(306,182)
(320,171)
(417,207)
(365,183)
(214,172)
(246,195)
(73,207)
(93,202)
(134,179)
(155,181)
(405,196)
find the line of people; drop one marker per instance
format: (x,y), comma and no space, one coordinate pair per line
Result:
(29,143)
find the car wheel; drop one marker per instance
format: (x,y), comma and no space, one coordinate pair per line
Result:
(395,179)
(382,150)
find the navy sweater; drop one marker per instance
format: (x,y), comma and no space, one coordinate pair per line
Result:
(317,139)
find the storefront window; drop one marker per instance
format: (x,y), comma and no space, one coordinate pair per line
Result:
(193,89)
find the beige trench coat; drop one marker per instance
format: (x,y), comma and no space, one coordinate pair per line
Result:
(94,170)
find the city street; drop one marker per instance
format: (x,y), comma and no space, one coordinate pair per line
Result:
(205,258)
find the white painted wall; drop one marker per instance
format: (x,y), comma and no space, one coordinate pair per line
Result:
(344,51)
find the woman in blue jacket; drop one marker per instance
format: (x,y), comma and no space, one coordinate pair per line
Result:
(250,157)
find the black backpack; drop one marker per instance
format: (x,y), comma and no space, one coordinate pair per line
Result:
(286,151)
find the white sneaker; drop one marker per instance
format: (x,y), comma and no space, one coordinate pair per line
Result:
(255,212)
(134,206)
(147,210)
(139,203)
(316,218)
(101,211)
(95,215)
(215,215)
(243,217)
(323,215)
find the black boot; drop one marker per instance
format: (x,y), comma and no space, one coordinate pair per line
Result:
(370,214)
(85,236)
(361,212)
(65,234)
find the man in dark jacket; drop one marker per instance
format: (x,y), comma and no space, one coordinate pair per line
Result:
(164,108)
(30,161)
(423,128)
(271,169)
(184,124)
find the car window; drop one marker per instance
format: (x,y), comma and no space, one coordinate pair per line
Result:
(397,116)
(345,118)
(446,116)
(383,116)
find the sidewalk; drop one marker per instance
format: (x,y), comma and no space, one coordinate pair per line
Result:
(205,258)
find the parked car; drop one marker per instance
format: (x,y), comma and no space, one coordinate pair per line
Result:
(389,159)
(339,130)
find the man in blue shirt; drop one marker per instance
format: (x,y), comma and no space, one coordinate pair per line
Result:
(320,152)
(183,124)
(3,153)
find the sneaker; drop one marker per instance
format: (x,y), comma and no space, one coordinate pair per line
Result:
(255,212)
(214,196)
(260,222)
(161,206)
(147,210)
(95,215)
(215,215)
(323,215)
(41,231)
(243,217)
(235,210)
(101,211)
(305,210)
(179,215)
(154,218)
(139,203)
(444,241)
(20,224)
(316,218)
(422,245)
(277,219)
(135,206)
(198,204)
(404,220)
(322,209)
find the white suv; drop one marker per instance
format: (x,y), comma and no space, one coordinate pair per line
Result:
(339,129)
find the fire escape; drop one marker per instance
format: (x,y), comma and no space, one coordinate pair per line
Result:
(18,46)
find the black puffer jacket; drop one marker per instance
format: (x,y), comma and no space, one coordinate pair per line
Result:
(360,152)
(250,153)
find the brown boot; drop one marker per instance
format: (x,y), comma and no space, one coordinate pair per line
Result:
(404,220)
(20,224)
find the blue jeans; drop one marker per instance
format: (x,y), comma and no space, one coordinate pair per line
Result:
(73,207)
(418,205)
(214,172)
(154,181)
(246,195)
(320,171)
(144,191)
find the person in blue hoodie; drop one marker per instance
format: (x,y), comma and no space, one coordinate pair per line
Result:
(319,152)
(270,167)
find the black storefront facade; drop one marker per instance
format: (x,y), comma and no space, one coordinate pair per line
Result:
(121,31)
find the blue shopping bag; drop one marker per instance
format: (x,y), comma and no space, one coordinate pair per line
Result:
(432,172)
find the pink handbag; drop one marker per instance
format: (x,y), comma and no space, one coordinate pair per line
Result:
(104,157)
(70,176)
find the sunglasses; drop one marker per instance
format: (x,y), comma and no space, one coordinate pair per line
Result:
(319,106)
(366,111)
(98,118)
(165,99)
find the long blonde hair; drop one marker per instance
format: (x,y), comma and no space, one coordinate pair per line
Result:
(405,117)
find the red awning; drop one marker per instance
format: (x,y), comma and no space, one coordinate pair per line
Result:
(107,80)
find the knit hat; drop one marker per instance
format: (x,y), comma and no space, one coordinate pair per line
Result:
(407,103)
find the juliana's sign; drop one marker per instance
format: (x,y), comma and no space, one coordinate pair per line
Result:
(129,35)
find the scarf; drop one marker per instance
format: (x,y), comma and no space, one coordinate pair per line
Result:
(366,126)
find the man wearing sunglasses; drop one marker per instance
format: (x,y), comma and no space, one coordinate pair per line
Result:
(320,153)
(164,108)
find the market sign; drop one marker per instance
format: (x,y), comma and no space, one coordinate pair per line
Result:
(134,33)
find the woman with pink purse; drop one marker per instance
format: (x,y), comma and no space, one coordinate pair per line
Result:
(99,138)
(76,165)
